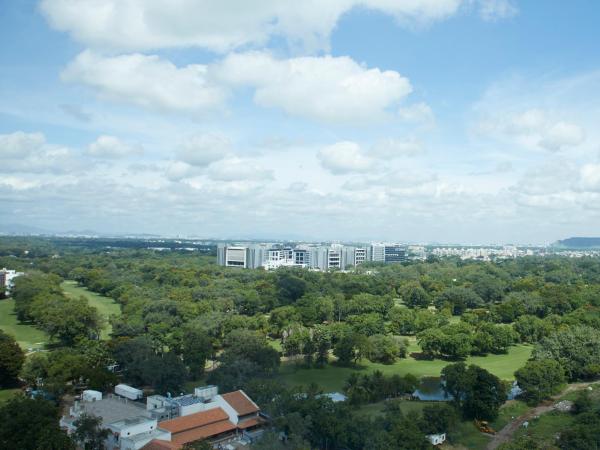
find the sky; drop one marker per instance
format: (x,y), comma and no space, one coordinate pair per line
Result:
(455,121)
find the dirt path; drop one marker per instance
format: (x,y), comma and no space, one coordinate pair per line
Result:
(506,433)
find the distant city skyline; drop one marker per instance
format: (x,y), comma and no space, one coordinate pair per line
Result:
(450,121)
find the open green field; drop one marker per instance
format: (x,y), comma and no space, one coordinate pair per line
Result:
(7,394)
(106,306)
(331,378)
(26,335)
(406,406)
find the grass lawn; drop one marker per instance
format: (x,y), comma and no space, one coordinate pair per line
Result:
(512,408)
(7,394)
(546,427)
(106,306)
(466,436)
(276,344)
(331,378)
(26,335)
(407,407)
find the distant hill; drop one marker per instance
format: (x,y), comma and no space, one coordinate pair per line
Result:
(579,242)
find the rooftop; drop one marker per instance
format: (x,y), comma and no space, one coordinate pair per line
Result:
(196,420)
(113,409)
(241,403)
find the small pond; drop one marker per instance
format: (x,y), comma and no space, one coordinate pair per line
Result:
(432,389)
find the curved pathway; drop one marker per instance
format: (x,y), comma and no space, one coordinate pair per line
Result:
(506,433)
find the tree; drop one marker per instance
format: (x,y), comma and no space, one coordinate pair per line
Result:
(577,349)
(383,349)
(402,321)
(11,360)
(474,390)
(141,365)
(196,348)
(89,432)
(198,445)
(31,424)
(367,324)
(438,418)
(322,341)
(30,287)
(290,287)
(540,379)
(351,348)
(431,341)
(66,319)
(246,355)
(532,329)
(459,299)
(414,295)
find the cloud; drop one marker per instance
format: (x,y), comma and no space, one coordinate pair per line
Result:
(562,135)
(534,128)
(203,149)
(394,148)
(112,147)
(417,113)
(20,144)
(493,10)
(146,81)
(77,112)
(179,170)
(333,89)
(344,157)
(141,25)
(238,169)
(22,152)
(590,177)
(327,88)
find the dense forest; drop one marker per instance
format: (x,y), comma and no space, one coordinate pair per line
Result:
(184,319)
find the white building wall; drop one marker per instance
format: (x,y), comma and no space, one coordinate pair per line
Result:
(232,413)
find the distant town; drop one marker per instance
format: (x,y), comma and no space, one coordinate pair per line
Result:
(341,257)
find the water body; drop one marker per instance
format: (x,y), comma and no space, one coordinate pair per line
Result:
(432,389)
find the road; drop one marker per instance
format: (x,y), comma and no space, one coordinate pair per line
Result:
(506,433)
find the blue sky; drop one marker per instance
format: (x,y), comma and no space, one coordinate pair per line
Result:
(409,120)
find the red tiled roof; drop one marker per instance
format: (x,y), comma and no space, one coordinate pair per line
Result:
(196,420)
(204,432)
(158,444)
(241,403)
(250,423)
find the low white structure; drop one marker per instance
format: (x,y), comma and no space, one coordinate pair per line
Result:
(129,392)
(91,396)
(335,397)
(130,424)
(436,439)
(133,434)
(6,279)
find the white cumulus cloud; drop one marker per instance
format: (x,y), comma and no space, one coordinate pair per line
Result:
(112,147)
(345,157)
(221,25)
(239,169)
(534,128)
(203,149)
(324,88)
(147,81)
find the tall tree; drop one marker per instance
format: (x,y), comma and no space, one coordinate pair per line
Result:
(89,432)
(28,424)
(11,360)
(540,379)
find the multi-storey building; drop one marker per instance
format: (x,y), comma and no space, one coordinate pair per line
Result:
(318,257)
(378,252)
(361,255)
(395,254)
